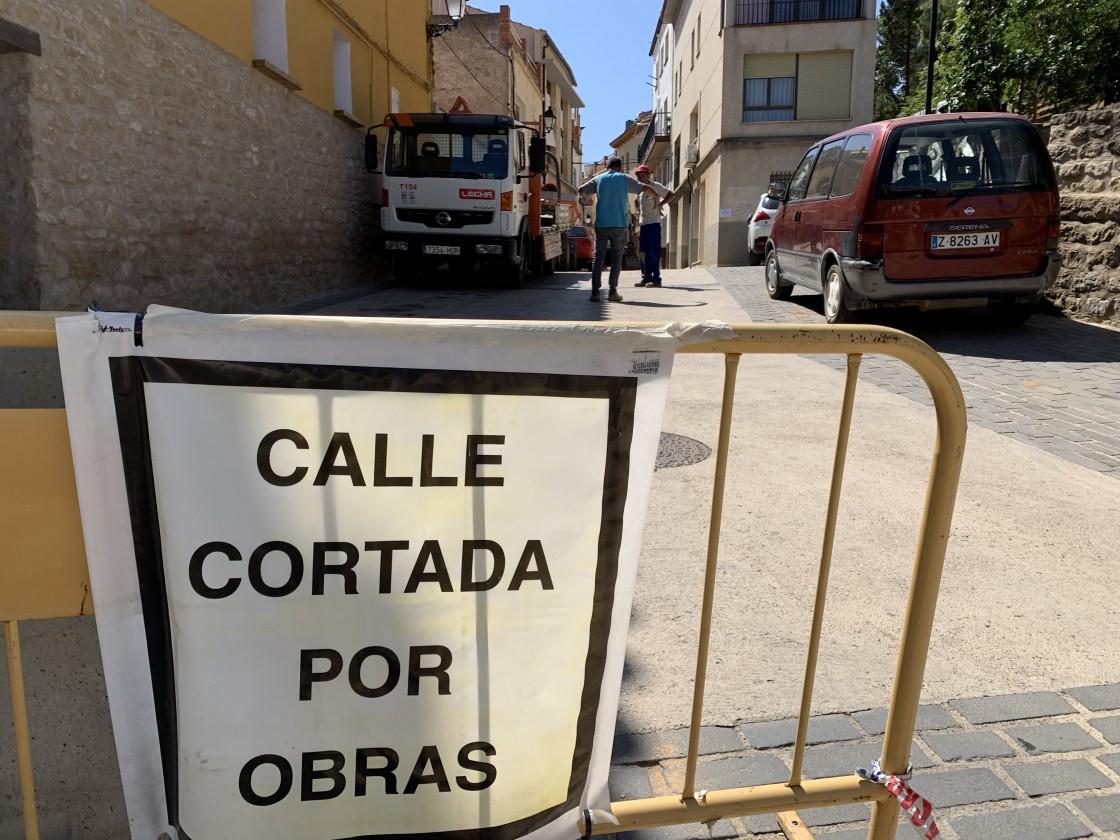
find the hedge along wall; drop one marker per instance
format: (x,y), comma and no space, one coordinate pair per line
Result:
(1085,146)
(163,170)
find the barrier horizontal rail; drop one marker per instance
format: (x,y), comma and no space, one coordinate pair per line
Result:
(59,585)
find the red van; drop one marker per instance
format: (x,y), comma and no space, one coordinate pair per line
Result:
(933,211)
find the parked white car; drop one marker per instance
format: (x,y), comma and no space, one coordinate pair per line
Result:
(759,230)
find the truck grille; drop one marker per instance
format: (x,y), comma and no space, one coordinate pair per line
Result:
(458,218)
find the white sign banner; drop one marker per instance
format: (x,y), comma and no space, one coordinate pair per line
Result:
(362,577)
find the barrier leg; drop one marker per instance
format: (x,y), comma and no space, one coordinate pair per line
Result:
(730,368)
(23,737)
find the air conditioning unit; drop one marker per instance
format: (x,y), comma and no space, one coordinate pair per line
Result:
(692,154)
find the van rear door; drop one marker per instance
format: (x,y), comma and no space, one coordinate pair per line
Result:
(964,198)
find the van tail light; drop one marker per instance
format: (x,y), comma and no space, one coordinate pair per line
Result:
(761,216)
(869,242)
(384,197)
(507,200)
(1053,232)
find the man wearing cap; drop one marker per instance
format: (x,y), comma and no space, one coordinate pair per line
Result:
(612,221)
(649,226)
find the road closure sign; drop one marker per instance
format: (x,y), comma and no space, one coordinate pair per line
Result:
(361,577)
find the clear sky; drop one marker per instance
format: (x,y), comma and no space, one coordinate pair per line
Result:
(607,46)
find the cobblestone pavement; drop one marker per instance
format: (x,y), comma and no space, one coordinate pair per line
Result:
(1042,765)
(1052,383)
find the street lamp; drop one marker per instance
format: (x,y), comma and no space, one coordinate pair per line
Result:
(548,120)
(455,11)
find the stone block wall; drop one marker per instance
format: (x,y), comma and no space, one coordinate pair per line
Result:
(17,231)
(157,168)
(1085,146)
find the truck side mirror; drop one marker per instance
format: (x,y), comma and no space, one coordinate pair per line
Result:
(371,151)
(536,155)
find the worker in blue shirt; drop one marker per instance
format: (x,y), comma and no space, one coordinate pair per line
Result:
(612,189)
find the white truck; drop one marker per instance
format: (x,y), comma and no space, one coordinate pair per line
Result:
(465,190)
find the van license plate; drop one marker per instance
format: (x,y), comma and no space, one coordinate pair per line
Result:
(951,241)
(442,250)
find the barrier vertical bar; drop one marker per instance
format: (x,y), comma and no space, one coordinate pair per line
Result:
(838,462)
(731,366)
(23,738)
(929,562)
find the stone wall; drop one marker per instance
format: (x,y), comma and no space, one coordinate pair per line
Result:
(164,170)
(1085,146)
(17,209)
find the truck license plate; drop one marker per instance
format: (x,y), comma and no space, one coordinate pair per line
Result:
(442,250)
(951,241)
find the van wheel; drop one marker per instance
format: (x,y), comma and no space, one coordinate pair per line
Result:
(1009,313)
(774,286)
(835,312)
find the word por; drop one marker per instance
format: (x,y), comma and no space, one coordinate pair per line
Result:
(333,661)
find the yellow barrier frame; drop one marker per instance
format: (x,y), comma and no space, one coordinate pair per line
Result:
(39,519)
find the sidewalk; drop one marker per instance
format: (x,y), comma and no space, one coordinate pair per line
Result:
(1033,766)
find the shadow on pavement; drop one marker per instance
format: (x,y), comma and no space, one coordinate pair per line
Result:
(971,332)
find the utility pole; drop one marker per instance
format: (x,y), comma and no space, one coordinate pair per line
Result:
(932,54)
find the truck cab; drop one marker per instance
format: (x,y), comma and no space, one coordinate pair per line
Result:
(462,190)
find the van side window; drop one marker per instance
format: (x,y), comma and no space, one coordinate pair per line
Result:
(799,183)
(851,165)
(821,181)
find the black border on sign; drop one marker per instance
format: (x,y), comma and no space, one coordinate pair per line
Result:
(130,373)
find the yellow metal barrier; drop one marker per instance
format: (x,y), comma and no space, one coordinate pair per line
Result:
(43,572)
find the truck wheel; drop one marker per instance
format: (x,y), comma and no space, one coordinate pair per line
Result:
(518,275)
(405,270)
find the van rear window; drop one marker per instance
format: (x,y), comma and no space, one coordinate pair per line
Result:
(958,156)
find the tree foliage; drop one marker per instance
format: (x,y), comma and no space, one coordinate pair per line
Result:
(1019,55)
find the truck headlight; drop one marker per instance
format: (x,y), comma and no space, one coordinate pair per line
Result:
(488,249)
(391,245)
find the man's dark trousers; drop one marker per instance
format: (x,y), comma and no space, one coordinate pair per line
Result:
(649,247)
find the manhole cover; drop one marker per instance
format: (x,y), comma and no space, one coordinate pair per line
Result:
(680,451)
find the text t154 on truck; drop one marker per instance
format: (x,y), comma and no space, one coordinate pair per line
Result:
(464,190)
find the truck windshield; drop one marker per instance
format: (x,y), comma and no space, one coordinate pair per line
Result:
(958,156)
(452,153)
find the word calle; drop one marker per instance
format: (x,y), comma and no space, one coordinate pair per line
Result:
(341,459)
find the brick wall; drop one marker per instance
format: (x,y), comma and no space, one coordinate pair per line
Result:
(160,169)
(1085,146)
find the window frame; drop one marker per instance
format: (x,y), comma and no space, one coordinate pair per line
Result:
(845,157)
(770,105)
(812,188)
(809,160)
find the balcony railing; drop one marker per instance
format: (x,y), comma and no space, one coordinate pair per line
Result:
(659,126)
(750,12)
